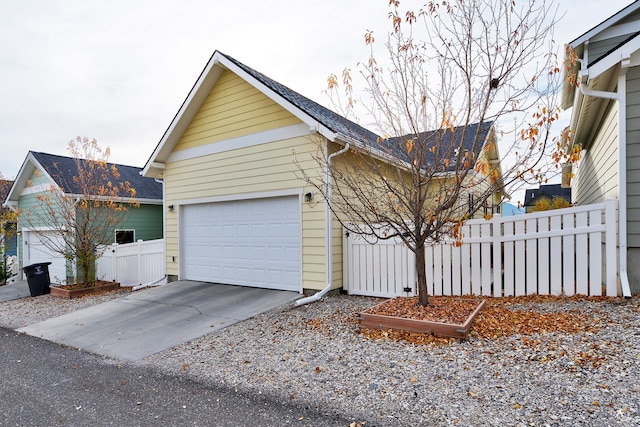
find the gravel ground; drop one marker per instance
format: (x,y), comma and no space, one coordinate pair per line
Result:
(313,356)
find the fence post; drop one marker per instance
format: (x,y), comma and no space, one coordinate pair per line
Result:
(496,237)
(345,260)
(114,262)
(611,247)
(139,258)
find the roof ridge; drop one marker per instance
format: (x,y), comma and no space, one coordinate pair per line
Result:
(82,159)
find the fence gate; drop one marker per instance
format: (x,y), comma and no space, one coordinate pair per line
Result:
(564,251)
(382,269)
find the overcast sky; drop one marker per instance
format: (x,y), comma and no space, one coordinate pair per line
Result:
(118,70)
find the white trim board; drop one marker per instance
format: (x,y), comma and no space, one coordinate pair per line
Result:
(241,142)
(242,196)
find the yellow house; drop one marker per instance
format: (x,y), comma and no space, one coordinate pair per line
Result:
(236,209)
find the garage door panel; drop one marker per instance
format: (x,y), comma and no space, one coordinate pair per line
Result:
(243,253)
(244,231)
(258,253)
(246,242)
(257,230)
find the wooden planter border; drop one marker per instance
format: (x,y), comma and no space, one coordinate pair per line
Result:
(63,292)
(450,330)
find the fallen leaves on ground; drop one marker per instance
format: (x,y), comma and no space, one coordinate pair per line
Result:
(442,310)
(501,317)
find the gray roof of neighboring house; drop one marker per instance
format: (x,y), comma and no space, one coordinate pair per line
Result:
(549,191)
(62,169)
(446,141)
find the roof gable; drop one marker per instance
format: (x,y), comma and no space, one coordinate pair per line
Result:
(60,170)
(621,18)
(601,48)
(318,118)
(233,109)
(321,119)
(323,116)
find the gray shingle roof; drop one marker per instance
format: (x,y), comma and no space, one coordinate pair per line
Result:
(549,191)
(62,169)
(461,137)
(446,142)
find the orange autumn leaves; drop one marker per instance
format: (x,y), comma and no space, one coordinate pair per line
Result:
(501,317)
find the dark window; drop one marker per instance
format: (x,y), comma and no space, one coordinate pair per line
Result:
(125,236)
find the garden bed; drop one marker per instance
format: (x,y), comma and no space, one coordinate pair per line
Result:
(78,290)
(452,318)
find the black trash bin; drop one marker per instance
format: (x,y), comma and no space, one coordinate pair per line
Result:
(38,278)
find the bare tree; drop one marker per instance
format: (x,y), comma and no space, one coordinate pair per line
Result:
(83,206)
(457,78)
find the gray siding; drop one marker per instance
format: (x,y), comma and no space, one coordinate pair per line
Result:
(633,157)
(631,18)
(596,175)
(599,48)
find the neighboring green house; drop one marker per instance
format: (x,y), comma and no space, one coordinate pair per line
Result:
(602,86)
(39,171)
(238,211)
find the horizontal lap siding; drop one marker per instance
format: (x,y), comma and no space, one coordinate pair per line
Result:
(38,178)
(601,48)
(633,157)
(28,203)
(596,176)
(233,108)
(146,220)
(262,168)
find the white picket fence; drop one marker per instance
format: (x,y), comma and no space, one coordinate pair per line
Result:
(564,251)
(136,263)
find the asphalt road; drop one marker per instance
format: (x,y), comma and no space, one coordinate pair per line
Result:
(44,383)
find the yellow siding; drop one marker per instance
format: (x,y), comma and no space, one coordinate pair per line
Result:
(234,108)
(259,168)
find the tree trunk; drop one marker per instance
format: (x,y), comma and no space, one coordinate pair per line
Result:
(423,295)
(87,267)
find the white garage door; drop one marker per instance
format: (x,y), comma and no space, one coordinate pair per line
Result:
(35,251)
(253,242)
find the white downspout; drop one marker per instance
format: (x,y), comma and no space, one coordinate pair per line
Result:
(328,234)
(620,96)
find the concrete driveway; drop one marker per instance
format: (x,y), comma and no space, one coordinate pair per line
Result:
(14,291)
(149,321)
